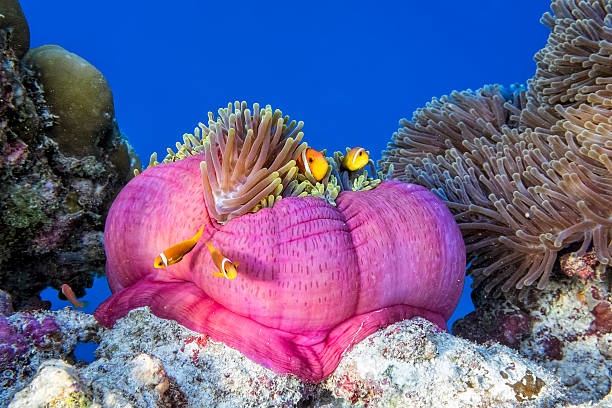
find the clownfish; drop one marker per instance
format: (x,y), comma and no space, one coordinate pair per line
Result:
(225,267)
(355,159)
(69,293)
(176,252)
(313,162)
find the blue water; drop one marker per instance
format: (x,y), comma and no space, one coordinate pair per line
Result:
(349,69)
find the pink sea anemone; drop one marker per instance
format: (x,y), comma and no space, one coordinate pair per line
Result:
(314,279)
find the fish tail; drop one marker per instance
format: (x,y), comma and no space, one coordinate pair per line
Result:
(77,303)
(199,234)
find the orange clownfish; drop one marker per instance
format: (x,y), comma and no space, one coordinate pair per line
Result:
(225,267)
(69,293)
(314,163)
(355,159)
(176,252)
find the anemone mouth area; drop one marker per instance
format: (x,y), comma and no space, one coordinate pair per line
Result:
(310,358)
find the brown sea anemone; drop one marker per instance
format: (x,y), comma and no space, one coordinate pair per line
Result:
(525,175)
(575,63)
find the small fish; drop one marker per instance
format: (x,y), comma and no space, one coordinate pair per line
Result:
(176,252)
(355,159)
(313,162)
(69,293)
(225,267)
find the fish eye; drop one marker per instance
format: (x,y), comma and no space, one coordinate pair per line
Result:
(360,153)
(310,160)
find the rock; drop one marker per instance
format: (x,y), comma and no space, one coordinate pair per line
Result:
(604,344)
(409,363)
(27,339)
(140,380)
(18,112)
(568,331)
(413,364)
(12,16)
(145,361)
(78,94)
(200,372)
(56,384)
(6,304)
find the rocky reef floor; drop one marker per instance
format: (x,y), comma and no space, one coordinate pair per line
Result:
(145,361)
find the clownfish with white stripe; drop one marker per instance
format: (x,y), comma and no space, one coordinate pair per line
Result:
(225,267)
(313,162)
(176,252)
(355,159)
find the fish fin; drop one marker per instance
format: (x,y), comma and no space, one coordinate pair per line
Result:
(236,264)
(218,274)
(209,245)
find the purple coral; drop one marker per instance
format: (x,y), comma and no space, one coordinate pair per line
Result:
(12,343)
(16,337)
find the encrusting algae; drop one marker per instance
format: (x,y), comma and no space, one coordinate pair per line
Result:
(251,161)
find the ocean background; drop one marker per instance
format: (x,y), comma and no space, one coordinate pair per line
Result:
(349,69)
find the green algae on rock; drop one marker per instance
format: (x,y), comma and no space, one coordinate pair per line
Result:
(11,16)
(77,93)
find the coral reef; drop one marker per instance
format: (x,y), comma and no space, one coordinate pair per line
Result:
(12,19)
(313,279)
(56,385)
(78,94)
(145,361)
(326,275)
(28,339)
(566,328)
(54,204)
(527,173)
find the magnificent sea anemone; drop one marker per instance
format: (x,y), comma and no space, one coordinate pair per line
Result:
(322,264)
(527,173)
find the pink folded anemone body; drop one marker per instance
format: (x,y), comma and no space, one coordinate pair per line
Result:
(313,279)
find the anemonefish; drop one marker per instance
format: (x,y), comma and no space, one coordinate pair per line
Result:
(225,267)
(176,252)
(355,159)
(69,293)
(313,162)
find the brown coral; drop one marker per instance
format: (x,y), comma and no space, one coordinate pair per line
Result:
(525,178)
